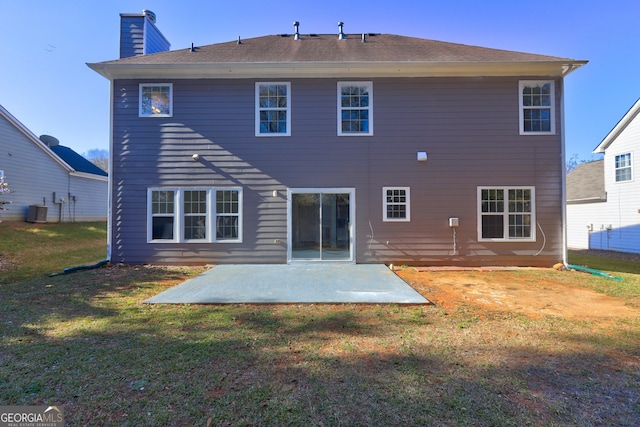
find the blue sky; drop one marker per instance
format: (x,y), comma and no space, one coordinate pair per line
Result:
(45,45)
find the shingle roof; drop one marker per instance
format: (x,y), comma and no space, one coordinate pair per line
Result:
(328,48)
(585,183)
(76,161)
(325,54)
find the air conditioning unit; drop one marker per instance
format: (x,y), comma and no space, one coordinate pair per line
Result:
(37,214)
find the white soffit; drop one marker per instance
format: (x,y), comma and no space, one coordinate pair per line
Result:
(336,70)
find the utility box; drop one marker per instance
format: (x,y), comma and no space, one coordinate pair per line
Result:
(37,214)
(454,222)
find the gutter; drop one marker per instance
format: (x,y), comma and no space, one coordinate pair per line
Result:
(586,200)
(339,69)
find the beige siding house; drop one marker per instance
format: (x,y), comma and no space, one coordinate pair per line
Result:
(365,148)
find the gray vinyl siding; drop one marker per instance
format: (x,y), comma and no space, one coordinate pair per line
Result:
(138,36)
(131,36)
(468,127)
(34,176)
(154,40)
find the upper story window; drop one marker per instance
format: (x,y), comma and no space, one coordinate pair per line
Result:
(506,214)
(537,108)
(355,108)
(623,167)
(273,109)
(156,100)
(194,215)
(395,204)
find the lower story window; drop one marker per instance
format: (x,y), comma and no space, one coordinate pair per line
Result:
(194,215)
(395,204)
(506,213)
(163,216)
(227,214)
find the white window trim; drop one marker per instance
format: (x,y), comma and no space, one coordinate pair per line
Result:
(179,215)
(521,85)
(150,215)
(369,108)
(143,85)
(615,169)
(182,215)
(214,215)
(506,213)
(258,109)
(407,204)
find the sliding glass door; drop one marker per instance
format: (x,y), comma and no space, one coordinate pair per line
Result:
(320,225)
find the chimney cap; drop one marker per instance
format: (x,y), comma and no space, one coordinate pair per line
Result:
(149,14)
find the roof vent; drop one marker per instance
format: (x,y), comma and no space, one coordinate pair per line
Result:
(149,14)
(340,33)
(364,38)
(296,36)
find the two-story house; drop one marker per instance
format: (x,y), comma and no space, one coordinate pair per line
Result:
(603,197)
(365,148)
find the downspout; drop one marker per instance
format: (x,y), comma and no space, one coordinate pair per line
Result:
(69,219)
(565,261)
(110,172)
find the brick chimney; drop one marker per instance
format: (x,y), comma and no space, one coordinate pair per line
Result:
(140,36)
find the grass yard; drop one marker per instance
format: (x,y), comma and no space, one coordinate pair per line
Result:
(86,342)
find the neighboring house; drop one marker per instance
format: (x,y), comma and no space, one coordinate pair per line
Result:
(63,185)
(603,197)
(364,148)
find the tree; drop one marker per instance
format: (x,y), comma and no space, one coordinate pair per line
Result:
(99,158)
(575,160)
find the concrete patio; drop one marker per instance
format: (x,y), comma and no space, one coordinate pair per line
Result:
(293,283)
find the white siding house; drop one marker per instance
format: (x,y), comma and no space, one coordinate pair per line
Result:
(609,220)
(63,186)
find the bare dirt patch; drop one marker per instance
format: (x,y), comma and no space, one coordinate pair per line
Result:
(484,291)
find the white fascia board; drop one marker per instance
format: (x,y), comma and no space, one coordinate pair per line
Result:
(89,176)
(31,136)
(619,127)
(332,70)
(584,200)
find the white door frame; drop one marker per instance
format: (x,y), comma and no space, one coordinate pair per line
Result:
(352,219)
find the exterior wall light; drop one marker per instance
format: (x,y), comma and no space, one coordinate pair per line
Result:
(422,156)
(196,157)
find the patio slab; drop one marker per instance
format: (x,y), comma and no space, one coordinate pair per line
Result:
(293,283)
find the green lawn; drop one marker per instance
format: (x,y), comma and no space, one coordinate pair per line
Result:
(86,342)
